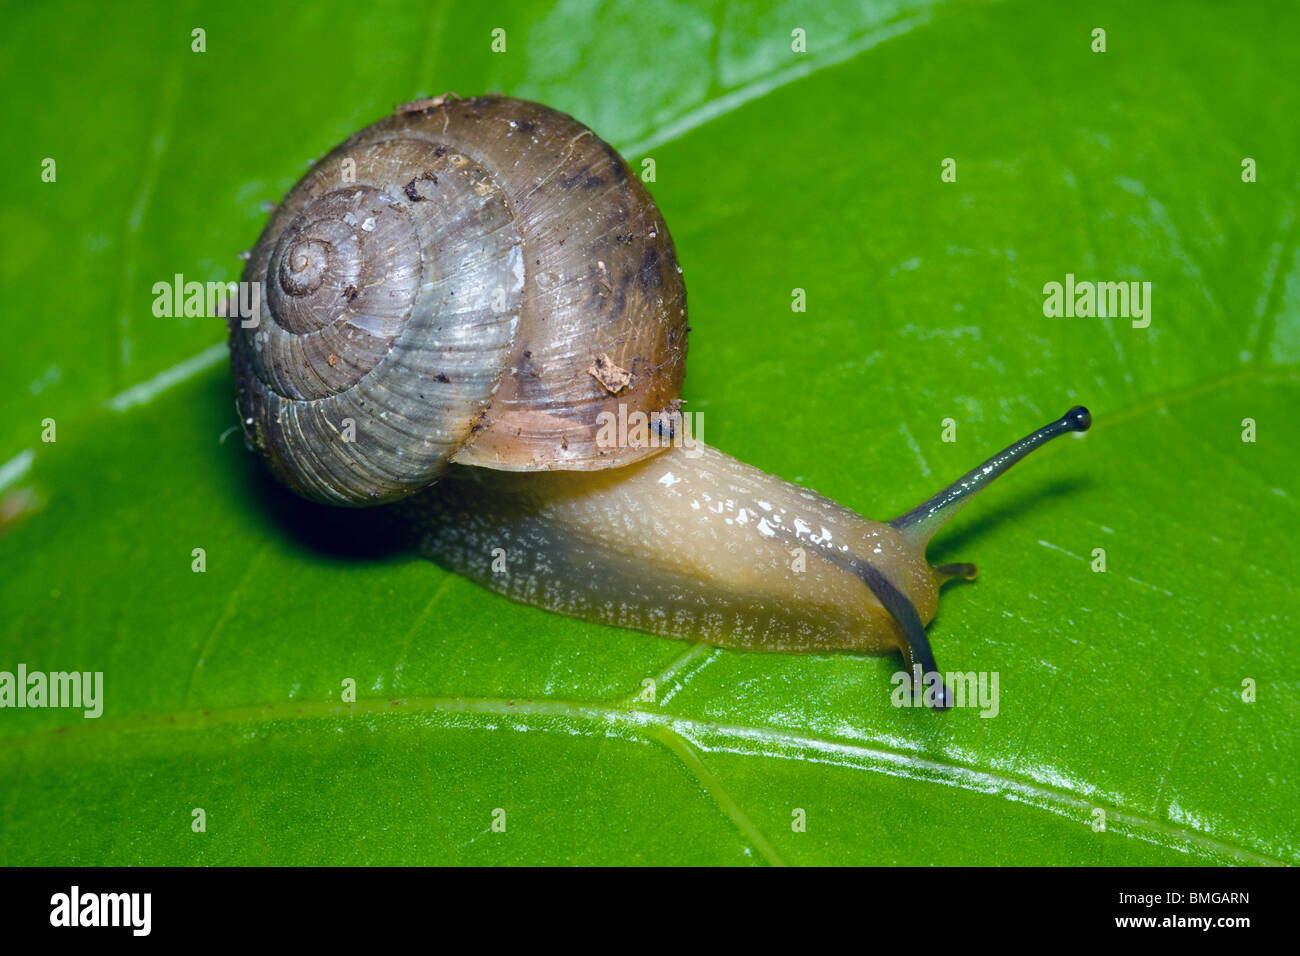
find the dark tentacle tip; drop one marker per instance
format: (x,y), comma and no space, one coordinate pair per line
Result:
(935,692)
(1079,419)
(930,687)
(944,700)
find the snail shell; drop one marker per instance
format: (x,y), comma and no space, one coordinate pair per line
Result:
(445,286)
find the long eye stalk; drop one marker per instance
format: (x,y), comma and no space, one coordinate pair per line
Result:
(921,523)
(916,647)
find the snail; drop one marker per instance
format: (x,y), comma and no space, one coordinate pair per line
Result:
(458,300)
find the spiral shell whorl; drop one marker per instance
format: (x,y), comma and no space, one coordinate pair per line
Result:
(436,289)
(386,322)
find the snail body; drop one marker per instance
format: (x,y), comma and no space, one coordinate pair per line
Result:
(458,298)
(694,543)
(687,543)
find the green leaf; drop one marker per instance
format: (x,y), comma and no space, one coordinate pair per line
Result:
(1121,691)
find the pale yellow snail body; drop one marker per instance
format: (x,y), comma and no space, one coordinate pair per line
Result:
(458,300)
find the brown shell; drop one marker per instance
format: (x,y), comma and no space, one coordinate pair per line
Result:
(482,281)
